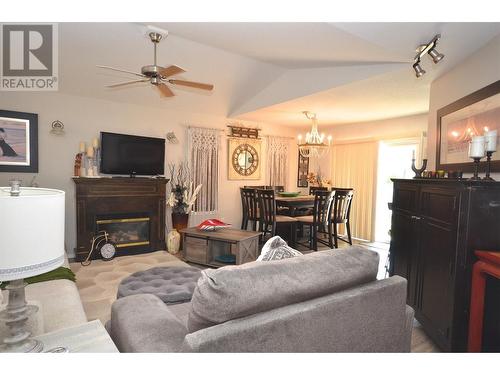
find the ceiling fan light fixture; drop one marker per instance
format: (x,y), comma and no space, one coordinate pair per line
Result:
(435,55)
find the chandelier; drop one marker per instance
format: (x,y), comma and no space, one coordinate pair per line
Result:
(314,145)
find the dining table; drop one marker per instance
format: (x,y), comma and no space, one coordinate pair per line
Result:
(294,203)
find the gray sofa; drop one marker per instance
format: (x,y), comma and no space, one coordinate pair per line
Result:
(328,301)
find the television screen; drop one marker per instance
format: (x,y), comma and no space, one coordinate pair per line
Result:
(132,155)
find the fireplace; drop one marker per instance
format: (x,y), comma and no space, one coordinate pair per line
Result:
(131,210)
(126,230)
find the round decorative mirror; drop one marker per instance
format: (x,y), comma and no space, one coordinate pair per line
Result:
(245,159)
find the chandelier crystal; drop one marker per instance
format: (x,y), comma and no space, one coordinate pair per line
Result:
(314,145)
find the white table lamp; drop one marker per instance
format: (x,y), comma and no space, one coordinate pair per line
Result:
(31,243)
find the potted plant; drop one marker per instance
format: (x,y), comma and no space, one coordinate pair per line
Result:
(182,196)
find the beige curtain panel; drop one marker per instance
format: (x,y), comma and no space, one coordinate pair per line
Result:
(203,159)
(277,161)
(355,165)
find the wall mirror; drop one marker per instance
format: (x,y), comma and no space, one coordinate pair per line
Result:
(459,121)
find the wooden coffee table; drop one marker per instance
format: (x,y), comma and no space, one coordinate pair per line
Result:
(202,247)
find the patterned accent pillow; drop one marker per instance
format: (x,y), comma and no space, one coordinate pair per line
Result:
(275,249)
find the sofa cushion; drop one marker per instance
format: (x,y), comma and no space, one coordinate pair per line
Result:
(236,291)
(276,249)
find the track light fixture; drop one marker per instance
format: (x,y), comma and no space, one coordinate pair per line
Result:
(430,49)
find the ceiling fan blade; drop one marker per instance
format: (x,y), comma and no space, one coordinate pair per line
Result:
(165,90)
(170,71)
(120,70)
(197,85)
(128,83)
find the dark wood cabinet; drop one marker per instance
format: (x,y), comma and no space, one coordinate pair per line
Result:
(436,226)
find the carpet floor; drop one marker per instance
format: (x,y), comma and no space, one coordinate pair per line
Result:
(98,284)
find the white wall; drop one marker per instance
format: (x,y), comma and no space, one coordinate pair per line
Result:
(85,117)
(472,74)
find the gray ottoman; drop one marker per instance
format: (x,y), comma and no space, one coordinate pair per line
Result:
(170,284)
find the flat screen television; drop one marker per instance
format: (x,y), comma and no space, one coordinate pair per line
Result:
(132,155)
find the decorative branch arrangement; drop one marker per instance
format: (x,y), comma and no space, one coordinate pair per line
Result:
(182,196)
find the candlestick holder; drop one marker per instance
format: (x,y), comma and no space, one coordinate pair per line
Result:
(418,171)
(475,177)
(488,166)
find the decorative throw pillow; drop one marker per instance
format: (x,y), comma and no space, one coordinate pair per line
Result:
(275,249)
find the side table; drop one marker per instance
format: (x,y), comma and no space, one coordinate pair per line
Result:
(488,264)
(90,337)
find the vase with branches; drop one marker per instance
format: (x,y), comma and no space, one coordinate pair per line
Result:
(182,195)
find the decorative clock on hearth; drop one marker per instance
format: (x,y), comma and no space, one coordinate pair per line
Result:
(103,245)
(244,159)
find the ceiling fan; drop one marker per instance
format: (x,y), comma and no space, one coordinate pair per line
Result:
(157,75)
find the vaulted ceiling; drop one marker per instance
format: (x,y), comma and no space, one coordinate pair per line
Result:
(270,72)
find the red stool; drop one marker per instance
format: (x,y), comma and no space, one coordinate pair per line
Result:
(488,264)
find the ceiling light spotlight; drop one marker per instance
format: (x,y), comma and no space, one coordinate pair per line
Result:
(422,50)
(435,55)
(419,71)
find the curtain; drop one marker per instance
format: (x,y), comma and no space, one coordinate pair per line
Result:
(355,165)
(203,160)
(278,149)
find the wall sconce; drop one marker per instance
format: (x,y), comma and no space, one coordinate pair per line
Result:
(430,49)
(172,138)
(57,128)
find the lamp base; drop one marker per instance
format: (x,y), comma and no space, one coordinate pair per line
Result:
(15,316)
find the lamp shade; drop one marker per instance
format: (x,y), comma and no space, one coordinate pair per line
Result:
(31,232)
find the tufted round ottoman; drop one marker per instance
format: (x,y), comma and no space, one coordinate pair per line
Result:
(170,284)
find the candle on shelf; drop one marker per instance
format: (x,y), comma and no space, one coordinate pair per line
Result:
(82,147)
(491,140)
(477,147)
(95,143)
(90,152)
(300,138)
(413,155)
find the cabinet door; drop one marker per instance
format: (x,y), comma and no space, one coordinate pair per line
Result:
(435,277)
(438,250)
(403,251)
(195,249)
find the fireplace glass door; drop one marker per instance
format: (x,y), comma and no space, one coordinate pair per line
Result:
(126,232)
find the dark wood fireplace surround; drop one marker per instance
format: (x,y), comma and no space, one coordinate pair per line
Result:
(96,197)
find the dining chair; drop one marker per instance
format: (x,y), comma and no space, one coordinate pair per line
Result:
(340,213)
(313,189)
(250,209)
(270,220)
(318,221)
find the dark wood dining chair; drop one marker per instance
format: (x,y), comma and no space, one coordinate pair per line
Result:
(318,222)
(313,189)
(340,213)
(250,209)
(269,220)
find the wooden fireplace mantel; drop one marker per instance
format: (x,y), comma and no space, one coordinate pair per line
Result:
(118,196)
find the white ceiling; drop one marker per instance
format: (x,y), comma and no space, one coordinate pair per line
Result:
(270,72)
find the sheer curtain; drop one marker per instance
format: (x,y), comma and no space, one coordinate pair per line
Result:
(355,165)
(203,159)
(278,149)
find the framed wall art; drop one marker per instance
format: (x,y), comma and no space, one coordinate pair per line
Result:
(244,159)
(18,142)
(459,121)
(303,171)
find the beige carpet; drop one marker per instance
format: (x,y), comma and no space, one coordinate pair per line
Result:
(98,282)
